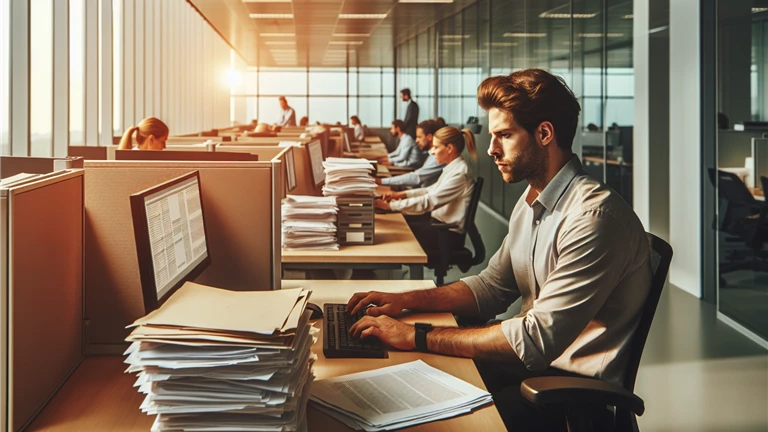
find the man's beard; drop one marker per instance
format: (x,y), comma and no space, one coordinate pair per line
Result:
(523,165)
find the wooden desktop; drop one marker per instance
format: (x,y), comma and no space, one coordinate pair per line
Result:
(394,246)
(100,396)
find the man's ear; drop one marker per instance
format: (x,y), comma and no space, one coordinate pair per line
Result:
(546,133)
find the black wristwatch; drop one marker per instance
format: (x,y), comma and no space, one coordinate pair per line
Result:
(421,335)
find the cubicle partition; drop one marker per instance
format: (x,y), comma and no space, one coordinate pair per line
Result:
(12,165)
(41,298)
(93,152)
(241,201)
(307,157)
(284,155)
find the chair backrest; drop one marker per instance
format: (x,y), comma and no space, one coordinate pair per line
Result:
(764,185)
(469,223)
(661,257)
(731,188)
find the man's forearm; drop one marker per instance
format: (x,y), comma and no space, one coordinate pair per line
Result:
(483,343)
(456,298)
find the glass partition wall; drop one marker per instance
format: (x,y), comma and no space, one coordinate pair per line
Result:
(741,177)
(587,42)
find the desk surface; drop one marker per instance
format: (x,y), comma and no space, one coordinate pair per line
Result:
(382,171)
(376,150)
(372,139)
(99,396)
(395,244)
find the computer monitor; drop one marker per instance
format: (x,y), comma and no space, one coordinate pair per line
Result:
(316,160)
(290,170)
(171,241)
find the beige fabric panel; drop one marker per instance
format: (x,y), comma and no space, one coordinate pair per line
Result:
(12,165)
(46,320)
(237,204)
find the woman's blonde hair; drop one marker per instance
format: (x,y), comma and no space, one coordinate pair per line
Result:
(459,139)
(149,126)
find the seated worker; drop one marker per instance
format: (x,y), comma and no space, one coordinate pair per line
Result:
(447,199)
(576,253)
(359,132)
(440,121)
(151,134)
(407,153)
(430,171)
(304,121)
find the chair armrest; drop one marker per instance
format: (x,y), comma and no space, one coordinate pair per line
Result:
(574,391)
(444,226)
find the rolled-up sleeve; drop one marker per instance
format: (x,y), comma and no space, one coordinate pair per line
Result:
(424,200)
(409,179)
(495,287)
(587,268)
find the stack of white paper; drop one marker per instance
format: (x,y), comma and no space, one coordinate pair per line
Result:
(309,222)
(346,176)
(211,359)
(396,397)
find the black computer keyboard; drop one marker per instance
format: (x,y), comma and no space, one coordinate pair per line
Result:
(338,343)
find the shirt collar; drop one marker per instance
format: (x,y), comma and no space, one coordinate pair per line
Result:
(556,187)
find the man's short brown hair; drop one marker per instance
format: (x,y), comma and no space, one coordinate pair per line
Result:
(533,96)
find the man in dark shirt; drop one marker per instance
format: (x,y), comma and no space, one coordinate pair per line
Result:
(412,114)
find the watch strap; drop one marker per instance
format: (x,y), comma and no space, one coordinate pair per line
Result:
(421,335)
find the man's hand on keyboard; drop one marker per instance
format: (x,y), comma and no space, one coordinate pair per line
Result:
(388,330)
(385,303)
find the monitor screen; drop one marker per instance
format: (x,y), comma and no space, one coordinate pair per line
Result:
(290,170)
(170,236)
(316,159)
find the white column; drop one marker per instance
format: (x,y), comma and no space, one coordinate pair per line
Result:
(129,64)
(19,114)
(92,72)
(140,73)
(685,146)
(60,78)
(105,78)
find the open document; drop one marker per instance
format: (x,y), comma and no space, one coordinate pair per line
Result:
(396,396)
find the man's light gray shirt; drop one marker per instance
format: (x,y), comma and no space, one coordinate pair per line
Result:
(580,260)
(287,117)
(422,177)
(407,153)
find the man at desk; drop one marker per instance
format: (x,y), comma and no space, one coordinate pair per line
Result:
(576,254)
(430,171)
(287,114)
(407,153)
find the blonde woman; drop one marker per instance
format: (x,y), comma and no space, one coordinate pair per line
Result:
(151,134)
(445,201)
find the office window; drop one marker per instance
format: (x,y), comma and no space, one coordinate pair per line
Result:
(280,82)
(327,109)
(327,81)
(369,81)
(5,97)
(41,77)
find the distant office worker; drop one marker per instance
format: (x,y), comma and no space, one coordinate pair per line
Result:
(287,114)
(151,134)
(440,122)
(411,114)
(445,201)
(359,131)
(304,121)
(407,153)
(576,253)
(430,171)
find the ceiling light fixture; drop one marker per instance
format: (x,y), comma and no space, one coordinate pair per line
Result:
(351,34)
(362,16)
(426,1)
(501,44)
(345,42)
(567,15)
(280,43)
(277,34)
(628,16)
(451,43)
(524,35)
(455,36)
(759,9)
(270,16)
(266,1)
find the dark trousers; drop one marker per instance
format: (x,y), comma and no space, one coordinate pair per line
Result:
(429,237)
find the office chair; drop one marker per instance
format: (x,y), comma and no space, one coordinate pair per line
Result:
(585,399)
(441,260)
(743,220)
